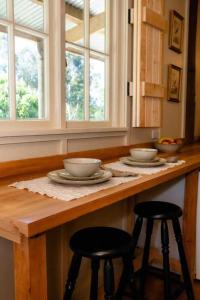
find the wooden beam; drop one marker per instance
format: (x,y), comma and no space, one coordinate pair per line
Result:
(40,2)
(96,23)
(74,13)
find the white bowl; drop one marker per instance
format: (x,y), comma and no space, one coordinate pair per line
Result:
(143,154)
(82,167)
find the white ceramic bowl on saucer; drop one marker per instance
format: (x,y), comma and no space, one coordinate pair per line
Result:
(143,154)
(82,167)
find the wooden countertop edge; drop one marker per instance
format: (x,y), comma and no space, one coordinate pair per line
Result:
(104,198)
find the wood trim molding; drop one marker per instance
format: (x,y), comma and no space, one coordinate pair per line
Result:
(152,90)
(153,19)
(191,73)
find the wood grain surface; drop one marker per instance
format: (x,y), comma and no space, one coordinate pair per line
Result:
(25,217)
(24,213)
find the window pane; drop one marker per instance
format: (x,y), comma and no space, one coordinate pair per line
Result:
(97,25)
(3,8)
(74,21)
(29,78)
(97,90)
(4,94)
(29,13)
(74,86)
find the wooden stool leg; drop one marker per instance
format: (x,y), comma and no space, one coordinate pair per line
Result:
(127,276)
(145,259)
(72,276)
(166,266)
(94,279)
(136,232)
(108,280)
(184,266)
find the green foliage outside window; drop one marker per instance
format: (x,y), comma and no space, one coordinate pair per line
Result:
(75,89)
(75,86)
(4,98)
(27,103)
(26,83)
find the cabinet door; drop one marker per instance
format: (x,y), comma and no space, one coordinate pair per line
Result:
(148,89)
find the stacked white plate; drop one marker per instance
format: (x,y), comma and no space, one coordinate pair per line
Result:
(156,162)
(62,176)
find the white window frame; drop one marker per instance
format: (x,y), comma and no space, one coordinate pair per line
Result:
(55,77)
(116,56)
(11,26)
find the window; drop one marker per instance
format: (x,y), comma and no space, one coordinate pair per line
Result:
(87,60)
(23,55)
(37,38)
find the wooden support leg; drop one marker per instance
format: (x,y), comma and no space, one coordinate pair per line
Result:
(189,219)
(30,269)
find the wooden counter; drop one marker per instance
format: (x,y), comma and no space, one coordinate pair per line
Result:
(25,217)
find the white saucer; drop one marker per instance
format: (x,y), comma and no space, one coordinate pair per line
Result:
(156,159)
(127,161)
(64,174)
(56,178)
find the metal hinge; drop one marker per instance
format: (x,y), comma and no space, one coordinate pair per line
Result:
(131,16)
(130,89)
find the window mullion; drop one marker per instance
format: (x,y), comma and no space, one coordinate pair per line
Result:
(107,88)
(46,16)
(87,84)
(107,37)
(87,57)
(87,23)
(10,10)
(12,81)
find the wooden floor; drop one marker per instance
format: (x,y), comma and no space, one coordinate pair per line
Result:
(154,290)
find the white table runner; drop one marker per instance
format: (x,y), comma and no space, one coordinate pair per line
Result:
(45,186)
(118,165)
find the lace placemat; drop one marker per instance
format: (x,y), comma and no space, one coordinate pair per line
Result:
(118,165)
(45,186)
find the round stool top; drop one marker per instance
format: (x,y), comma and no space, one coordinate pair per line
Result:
(158,210)
(101,242)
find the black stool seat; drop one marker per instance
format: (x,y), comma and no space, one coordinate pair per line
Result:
(101,242)
(158,210)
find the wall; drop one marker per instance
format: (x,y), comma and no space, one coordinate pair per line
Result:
(52,142)
(197,111)
(58,141)
(44,143)
(173,113)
